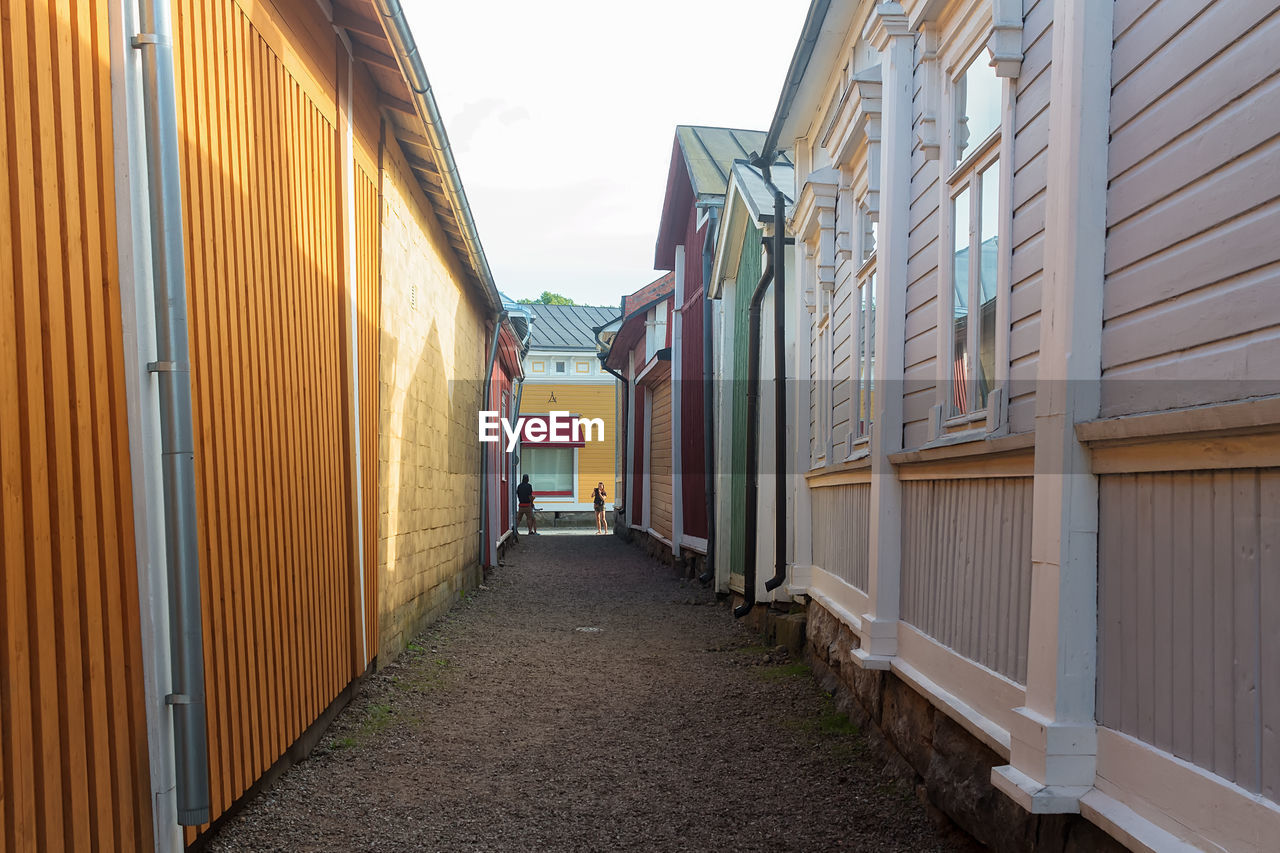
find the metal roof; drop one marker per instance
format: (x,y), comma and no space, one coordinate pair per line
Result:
(756,193)
(709,153)
(567,327)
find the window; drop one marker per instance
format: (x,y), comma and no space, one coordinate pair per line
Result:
(974,188)
(559,367)
(865,329)
(655,333)
(550,469)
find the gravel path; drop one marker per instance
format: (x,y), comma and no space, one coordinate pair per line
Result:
(588,700)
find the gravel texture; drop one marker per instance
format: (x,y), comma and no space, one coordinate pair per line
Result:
(587,699)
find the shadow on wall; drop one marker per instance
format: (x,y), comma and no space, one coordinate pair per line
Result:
(431,365)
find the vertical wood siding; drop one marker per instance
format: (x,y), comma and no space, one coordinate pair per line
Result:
(1188,590)
(749,271)
(841,531)
(73,757)
(966,567)
(660,458)
(1030,176)
(693,449)
(1193,204)
(268,312)
(368,208)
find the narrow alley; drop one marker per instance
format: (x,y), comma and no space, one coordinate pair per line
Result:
(588,699)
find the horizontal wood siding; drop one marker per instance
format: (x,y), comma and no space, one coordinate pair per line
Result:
(920,355)
(268,311)
(74,772)
(660,459)
(1193,205)
(841,531)
(1188,592)
(1030,173)
(966,567)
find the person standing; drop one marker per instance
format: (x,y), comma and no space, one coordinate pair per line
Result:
(597,499)
(524,495)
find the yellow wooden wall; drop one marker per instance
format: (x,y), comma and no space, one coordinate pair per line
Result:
(73,757)
(660,458)
(597,459)
(367,213)
(262,181)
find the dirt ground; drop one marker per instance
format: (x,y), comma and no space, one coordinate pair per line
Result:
(587,699)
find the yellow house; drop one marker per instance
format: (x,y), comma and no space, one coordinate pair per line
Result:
(563,374)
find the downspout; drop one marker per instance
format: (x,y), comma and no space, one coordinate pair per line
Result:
(626,413)
(708,411)
(753,435)
(172,370)
(402,41)
(515,411)
(484,457)
(780,397)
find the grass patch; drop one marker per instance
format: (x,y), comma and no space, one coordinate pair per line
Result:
(782,672)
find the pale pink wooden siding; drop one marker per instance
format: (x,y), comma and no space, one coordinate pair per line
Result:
(841,531)
(1188,639)
(1193,206)
(921,341)
(966,567)
(1030,162)
(842,354)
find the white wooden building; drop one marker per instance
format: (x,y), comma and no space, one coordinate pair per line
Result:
(1039,298)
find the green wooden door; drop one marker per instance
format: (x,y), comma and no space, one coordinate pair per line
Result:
(745,284)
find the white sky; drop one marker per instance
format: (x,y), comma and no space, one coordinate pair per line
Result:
(562,113)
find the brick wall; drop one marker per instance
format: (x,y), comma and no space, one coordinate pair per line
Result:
(431,366)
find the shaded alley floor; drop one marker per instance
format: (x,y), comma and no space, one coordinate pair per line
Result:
(588,699)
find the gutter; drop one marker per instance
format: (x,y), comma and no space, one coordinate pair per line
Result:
(172,372)
(795,72)
(402,41)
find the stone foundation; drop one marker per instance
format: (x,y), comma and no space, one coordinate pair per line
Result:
(947,765)
(689,564)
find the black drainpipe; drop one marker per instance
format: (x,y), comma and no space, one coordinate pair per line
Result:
(753,435)
(708,412)
(626,413)
(780,394)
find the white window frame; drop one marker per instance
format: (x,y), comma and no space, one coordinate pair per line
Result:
(993,417)
(863,358)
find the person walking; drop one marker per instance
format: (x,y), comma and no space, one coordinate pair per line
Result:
(597,500)
(524,495)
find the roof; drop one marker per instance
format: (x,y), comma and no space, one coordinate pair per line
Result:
(631,329)
(384,45)
(567,327)
(701,160)
(757,194)
(651,291)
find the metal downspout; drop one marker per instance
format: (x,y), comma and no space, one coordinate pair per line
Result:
(780,396)
(626,413)
(484,457)
(753,435)
(708,411)
(401,37)
(172,371)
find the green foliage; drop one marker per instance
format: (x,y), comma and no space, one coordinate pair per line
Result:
(548,298)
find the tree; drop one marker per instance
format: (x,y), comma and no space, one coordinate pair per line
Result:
(548,298)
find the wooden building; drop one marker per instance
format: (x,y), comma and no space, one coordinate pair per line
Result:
(745,223)
(1036,527)
(563,374)
(640,352)
(294,187)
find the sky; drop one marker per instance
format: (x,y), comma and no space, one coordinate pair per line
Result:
(562,114)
